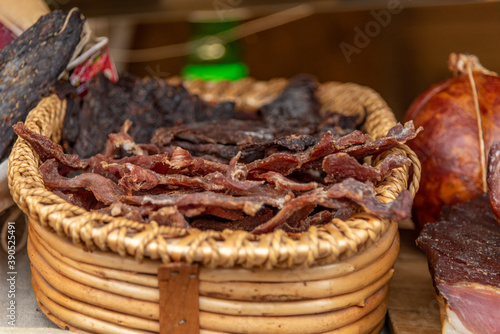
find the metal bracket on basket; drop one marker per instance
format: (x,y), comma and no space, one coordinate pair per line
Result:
(179,298)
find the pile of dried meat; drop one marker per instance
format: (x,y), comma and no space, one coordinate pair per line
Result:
(182,162)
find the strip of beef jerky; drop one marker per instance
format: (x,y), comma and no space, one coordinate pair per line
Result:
(297,209)
(320,218)
(104,190)
(82,198)
(463,248)
(30,67)
(47,149)
(249,204)
(363,194)
(169,216)
(295,110)
(399,134)
(183,160)
(340,166)
(283,182)
(246,223)
(121,144)
(286,163)
(133,177)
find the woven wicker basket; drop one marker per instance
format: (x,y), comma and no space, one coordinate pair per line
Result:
(96,273)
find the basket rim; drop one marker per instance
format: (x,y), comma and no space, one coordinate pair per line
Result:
(330,243)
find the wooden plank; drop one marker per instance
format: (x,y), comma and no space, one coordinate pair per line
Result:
(179,298)
(413,308)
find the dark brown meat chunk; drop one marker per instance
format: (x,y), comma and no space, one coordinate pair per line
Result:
(464,245)
(463,248)
(295,110)
(148,103)
(30,66)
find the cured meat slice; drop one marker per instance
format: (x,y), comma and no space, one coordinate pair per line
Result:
(493,178)
(341,166)
(104,190)
(463,248)
(47,149)
(30,67)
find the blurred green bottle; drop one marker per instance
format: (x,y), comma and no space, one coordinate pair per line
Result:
(214,59)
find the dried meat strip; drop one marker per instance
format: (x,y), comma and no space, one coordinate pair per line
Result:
(246,223)
(341,166)
(283,182)
(249,204)
(104,189)
(399,134)
(298,209)
(47,149)
(335,197)
(169,216)
(30,67)
(363,194)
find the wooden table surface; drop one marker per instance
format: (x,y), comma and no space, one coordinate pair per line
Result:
(413,308)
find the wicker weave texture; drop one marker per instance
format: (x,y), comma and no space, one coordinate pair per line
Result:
(319,245)
(102,292)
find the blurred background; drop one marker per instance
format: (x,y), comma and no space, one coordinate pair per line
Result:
(397,47)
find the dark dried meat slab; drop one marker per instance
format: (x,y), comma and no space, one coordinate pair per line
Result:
(148,103)
(463,250)
(30,67)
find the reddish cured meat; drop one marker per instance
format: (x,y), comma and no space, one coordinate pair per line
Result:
(298,209)
(341,166)
(398,134)
(169,216)
(283,182)
(47,149)
(82,198)
(133,177)
(363,194)
(463,248)
(493,178)
(249,204)
(104,190)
